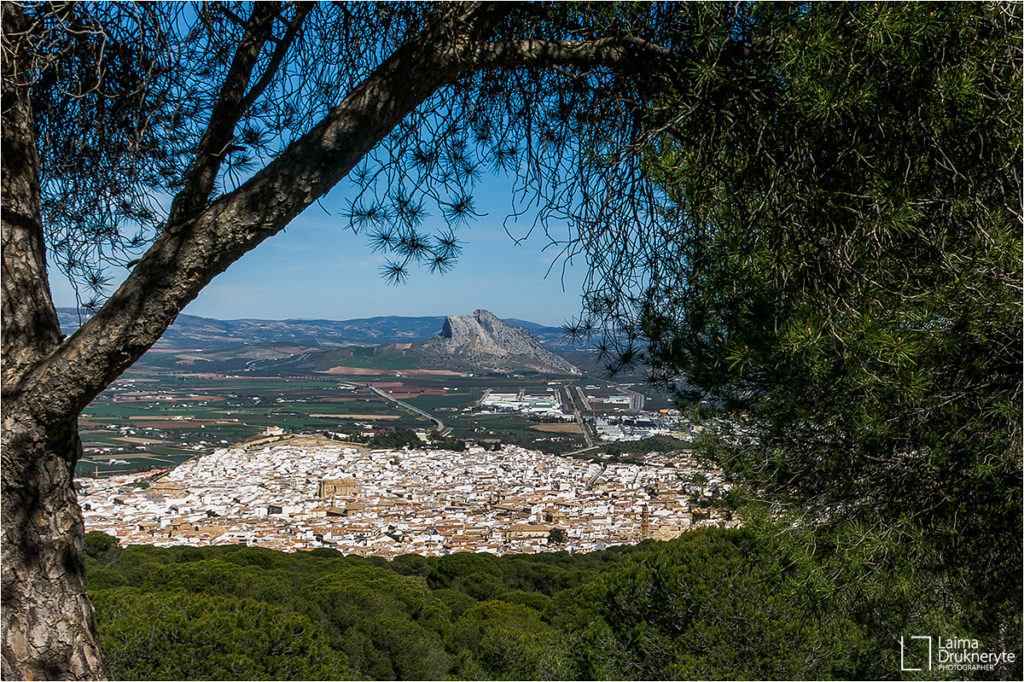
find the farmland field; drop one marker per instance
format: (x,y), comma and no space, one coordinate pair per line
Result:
(566,427)
(157,417)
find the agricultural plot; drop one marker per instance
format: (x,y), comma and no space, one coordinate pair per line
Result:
(564,427)
(514,429)
(449,401)
(157,418)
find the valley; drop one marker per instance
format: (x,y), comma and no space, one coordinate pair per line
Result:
(475,439)
(182,401)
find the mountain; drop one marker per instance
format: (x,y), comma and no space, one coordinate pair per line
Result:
(478,343)
(482,341)
(201,333)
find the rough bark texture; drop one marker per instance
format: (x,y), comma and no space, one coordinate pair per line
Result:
(48,626)
(30,328)
(49,631)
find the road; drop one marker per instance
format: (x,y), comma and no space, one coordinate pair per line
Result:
(636,399)
(438,424)
(579,418)
(254,365)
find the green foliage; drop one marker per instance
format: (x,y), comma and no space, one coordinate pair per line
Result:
(507,641)
(136,562)
(216,577)
(359,592)
(461,564)
(385,647)
(410,564)
(102,547)
(438,442)
(845,270)
(176,635)
(456,602)
(395,440)
(754,604)
(378,616)
(778,599)
(655,614)
(530,574)
(480,586)
(534,600)
(98,577)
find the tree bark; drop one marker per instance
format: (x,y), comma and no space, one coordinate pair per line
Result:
(48,628)
(49,631)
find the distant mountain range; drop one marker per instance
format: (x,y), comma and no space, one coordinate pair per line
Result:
(190,332)
(475,344)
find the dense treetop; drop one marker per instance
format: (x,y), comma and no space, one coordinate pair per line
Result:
(713,604)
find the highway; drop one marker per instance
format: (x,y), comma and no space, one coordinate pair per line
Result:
(579,418)
(438,424)
(636,399)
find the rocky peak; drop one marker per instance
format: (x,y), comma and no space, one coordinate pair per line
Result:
(483,339)
(489,320)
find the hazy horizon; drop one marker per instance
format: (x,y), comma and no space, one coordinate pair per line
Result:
(349,319)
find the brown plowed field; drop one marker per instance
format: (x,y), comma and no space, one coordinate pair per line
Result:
(385,417)
(363,371)
(557,428)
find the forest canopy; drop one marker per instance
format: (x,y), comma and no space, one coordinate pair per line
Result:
(715,604)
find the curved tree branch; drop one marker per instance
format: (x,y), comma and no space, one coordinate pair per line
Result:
(280,51)
(30,328)
(226,112)
(190,252)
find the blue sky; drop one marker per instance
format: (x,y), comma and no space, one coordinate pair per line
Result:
(317,268)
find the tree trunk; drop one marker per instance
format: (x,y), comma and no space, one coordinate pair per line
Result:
(48,628)
(49,631)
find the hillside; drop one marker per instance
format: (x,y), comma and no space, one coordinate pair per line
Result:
(469,343)
(192,332)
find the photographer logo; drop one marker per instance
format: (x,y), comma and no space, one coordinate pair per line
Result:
(924,652)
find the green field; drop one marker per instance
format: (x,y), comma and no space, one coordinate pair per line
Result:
(157,419)
(445,402)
